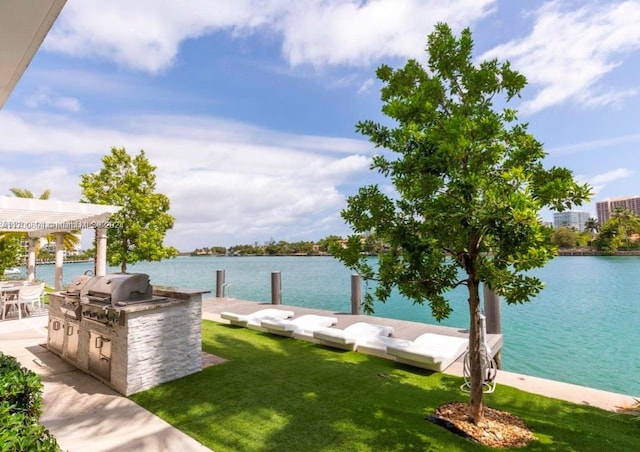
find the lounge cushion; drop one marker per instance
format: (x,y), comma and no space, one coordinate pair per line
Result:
(254,319)
(430,351)
(301,327)
(349,337)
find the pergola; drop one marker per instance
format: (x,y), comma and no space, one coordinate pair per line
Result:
(39,218)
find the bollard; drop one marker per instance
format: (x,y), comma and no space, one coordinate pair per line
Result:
(493,317)
(276,288)
(356,294)
(219,283)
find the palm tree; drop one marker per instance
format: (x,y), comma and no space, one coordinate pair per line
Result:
(627,222)
(70,239)
(591,225)
(24,193)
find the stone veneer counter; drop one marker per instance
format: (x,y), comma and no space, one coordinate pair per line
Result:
(151,343)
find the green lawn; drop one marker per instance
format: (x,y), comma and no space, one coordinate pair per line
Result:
(280,394)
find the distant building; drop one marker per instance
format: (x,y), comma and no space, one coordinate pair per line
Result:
(574,219)
(605,208)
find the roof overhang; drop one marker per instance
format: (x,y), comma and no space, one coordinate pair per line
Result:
(23,26)
(40,217)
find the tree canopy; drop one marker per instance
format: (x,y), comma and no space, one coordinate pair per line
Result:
(469,184)
(10,247)
(617,231)
(138,229)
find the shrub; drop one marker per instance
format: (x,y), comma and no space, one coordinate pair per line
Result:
(20,409)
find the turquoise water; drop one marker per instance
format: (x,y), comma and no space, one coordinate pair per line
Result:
(581,329)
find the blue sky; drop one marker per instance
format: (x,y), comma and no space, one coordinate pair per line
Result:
(248,108)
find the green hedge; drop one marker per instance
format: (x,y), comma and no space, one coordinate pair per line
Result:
(20,409)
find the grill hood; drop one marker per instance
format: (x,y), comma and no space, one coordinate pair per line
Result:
(118,289)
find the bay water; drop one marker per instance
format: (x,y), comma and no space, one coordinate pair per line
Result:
(583,328)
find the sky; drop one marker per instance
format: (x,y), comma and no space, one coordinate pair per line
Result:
(248,108)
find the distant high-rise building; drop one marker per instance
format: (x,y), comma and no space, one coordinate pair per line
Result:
(605,208)
(571,218)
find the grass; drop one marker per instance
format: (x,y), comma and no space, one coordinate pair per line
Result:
(277,394)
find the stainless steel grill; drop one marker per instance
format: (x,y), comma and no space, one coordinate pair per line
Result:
(103,296)
(71,306)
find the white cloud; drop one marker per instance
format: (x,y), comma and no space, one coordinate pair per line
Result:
(569,51)
(145,35)
(228,182)
(611,176)
(594,144)
(42,98)
(356,33)
(366,86)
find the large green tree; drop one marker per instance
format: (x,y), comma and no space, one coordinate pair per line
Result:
(138,229)
(469,182)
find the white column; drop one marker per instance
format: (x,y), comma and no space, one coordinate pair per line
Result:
(59,260)
(101,251)
(31,259)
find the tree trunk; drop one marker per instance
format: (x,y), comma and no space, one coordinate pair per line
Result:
(476,406)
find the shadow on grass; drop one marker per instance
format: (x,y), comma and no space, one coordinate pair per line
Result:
(276,393)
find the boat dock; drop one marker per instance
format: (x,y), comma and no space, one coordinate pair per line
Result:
(402,329)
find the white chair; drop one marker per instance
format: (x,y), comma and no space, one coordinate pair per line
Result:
(9,300)
(31,295)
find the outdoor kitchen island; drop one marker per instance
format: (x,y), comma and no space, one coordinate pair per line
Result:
(128,334)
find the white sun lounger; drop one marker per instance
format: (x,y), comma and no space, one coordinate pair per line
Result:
(429,351)
(300,328)
(254,319)
(377,345)
(351,336)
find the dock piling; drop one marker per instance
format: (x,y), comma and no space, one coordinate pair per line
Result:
(276,288)
(219,283)
(356,293)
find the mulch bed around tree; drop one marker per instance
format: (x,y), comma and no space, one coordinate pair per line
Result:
(498,429)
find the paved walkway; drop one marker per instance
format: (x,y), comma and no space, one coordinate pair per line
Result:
(84,414)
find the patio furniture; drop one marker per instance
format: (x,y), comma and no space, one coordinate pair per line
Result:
(430,351)
(254,319)
(9,298)
(351,336)
(301,327)
(31,294)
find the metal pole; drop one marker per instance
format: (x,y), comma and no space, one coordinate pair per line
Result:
(356,294)
(219,283)
(276,288)
(493,317)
